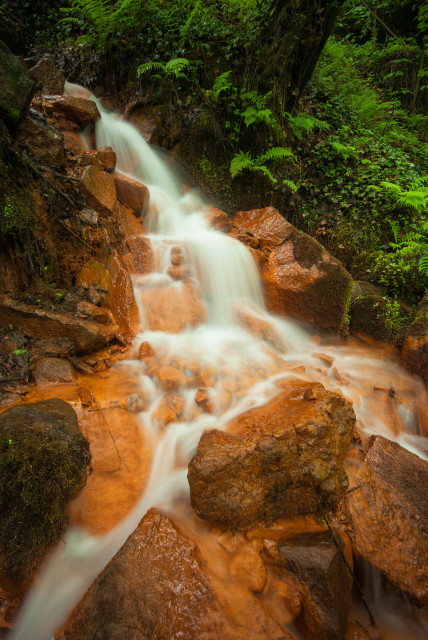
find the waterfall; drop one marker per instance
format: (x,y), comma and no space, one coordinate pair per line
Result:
(226,275)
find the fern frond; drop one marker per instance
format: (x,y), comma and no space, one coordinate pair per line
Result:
(240,162)
(423,265)
(221,83)
(150,66)
(416,200)
(392,187)
(291,185)
(304,123)
(176,66)
(276,153)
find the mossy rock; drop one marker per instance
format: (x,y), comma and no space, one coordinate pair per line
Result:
(16,88)
(44,459)
(376,315)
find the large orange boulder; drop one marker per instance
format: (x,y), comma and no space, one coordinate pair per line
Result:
(98,189)
(129,225)
(142,253)
(103,158)
(281,459)
(389,515)
(299,277)
(157,586)
(173,309)
(131,192)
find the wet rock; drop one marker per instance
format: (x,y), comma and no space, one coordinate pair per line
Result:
(315,562)
(389,515)
(73,143)
(85,335)
(168,595)
(98,189)
(16,88)
(142,253)
(146,351)
(96,313)
(273,458)
(356,632)
(131,192)
(129,225)
(148,120)
(40,139)
(110,275)
(13,274)
(260,327)
(46,74)
(171,379)
(53,371)
(300,278)
(248,568)
(75,109)
(370,313)
(103,158)
(43,462)
(174,308)
(217,219)
(414,355)
(178,272)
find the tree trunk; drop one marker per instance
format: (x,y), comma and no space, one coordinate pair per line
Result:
(293,41)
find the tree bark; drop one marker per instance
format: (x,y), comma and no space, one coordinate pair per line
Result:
(293,41)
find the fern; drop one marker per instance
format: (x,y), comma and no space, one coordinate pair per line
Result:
(413,198)
(291,185)
(173,68)
(303,123)
(242,161)
(346,151)
(252,115)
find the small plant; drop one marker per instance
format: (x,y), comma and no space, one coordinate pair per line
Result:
(172,69)
(244,161)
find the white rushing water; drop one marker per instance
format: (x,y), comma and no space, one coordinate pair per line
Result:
(225,273)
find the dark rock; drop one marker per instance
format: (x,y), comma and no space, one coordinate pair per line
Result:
(414,355)
(273,458)
(43,462)
(375,314)
(53,371)
(40,139)
(389,515)
(85,335)
(46,74)
(316,563)
(16,88)
(156,587)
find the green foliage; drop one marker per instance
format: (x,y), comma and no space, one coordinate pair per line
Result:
(174,68)
(303,123)
(244,161)
(16,206)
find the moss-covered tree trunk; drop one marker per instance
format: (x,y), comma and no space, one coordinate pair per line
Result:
(292,42)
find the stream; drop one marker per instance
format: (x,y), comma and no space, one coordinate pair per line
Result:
(242,371)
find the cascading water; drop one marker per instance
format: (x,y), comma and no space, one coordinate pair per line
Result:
(226,275)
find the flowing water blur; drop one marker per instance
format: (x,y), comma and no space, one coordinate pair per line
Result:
(225,273)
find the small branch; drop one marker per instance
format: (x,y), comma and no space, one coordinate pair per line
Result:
(374,14)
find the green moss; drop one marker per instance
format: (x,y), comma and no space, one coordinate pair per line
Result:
(38,474)
(16,206)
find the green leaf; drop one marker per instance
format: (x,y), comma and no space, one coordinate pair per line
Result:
(19,352)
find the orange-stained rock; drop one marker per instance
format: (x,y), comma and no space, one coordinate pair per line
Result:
(217,219)
(159,581)
(177,259)
(131,192)
(257,470)
(76,109)
(178,272)
(260,327)
(207,376)
(119,468)
(389,515)
(142,253)
(84,335)
(315,563)
(73,142)
(299,278)
(98,189)
(325,359)
(163,416)
(171,379)
(201,397)
(96,313)
(246,237)
(174,308)
(128,223)
(267,225)
(247,567)
(146,350)
(260,258)
(149,121)
(111,275)
(103,158)
(53,371)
